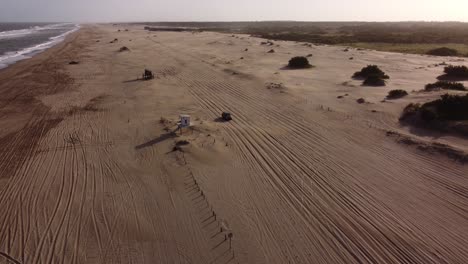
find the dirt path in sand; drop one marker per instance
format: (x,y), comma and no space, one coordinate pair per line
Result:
(89,173)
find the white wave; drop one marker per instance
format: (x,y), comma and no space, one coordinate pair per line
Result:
(12,57)
(31,30)
(53,26)
(16,33)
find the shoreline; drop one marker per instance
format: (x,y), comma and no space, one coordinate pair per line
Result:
(44,53)
(13,57)
(39,75)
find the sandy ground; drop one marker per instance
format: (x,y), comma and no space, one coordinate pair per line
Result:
(89,173)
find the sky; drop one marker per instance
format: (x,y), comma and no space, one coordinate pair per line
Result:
(234,10)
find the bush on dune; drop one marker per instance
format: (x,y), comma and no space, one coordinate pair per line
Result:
(447,108)
(370,70)
(410,110)
(395,94)
(299,62)
(445,85)
(454,72)
(374,80)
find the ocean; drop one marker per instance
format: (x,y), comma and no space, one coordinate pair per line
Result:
(20,41)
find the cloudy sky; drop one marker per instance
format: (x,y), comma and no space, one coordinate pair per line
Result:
(234,10)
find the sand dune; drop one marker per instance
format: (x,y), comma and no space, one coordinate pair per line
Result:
(89,172)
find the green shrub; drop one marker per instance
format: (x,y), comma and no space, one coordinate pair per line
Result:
(444,51)
(395,94)
(445,85)
(370,70)
(299,62)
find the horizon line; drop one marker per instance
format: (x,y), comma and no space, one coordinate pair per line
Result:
(245,21)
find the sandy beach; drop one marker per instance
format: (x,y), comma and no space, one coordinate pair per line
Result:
(91,170)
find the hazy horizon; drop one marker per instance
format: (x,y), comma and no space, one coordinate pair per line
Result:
(229,21)
(210,10)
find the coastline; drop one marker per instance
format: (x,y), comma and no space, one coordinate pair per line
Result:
(11,58)
(42,55)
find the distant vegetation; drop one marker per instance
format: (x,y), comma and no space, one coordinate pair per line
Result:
(445,85)
(444,51)
(299,62)
(395,94)
(447,108)
(413,48)
(342,33)
(411,37)
(173,29)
